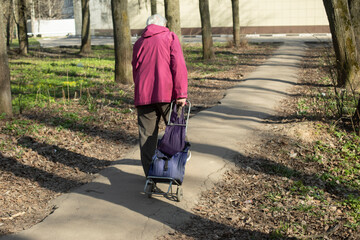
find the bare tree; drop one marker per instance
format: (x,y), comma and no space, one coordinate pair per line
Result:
(207,42)
(236,22)
(354,9)
(172,14)
(85,29)
(22,29)
(344,22)
(49,9)
(32,15)
(5,92)
(153,7)
(342,31)
(9,21)
(122,41)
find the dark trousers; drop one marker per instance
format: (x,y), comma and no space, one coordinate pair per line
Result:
(149,117)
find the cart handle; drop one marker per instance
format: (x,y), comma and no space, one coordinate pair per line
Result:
(187,117)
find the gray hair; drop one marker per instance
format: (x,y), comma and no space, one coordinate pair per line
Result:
(156,19)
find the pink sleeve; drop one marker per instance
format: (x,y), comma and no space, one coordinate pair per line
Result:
(134,58)
(178,69)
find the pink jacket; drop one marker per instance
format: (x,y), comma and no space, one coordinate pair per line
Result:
(159,69)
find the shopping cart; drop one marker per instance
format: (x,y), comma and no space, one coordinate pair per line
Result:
(169,169)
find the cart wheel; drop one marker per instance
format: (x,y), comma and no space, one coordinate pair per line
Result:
(149,189)
(179,193)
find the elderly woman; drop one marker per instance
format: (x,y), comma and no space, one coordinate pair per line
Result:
(160,76)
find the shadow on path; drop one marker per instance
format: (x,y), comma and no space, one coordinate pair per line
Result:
(162,211)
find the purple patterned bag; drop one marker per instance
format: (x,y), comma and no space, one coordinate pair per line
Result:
(173,140)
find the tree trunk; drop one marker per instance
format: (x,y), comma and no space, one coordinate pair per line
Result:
(356,117)
(39,11)
(330,12)
(8,30)
(354,8)
(122,41)
(8,21)
(207,41)
(49,9)
(5,91)
(172,15)
(153,7)
(22,29)
(32,16)
(343,41)
(236,22)
(85,28)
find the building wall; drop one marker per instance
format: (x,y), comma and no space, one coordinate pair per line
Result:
(52,28)
(256,16)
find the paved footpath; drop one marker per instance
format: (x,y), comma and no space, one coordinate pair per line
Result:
(113,206)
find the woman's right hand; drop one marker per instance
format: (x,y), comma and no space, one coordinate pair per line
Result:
(181,102)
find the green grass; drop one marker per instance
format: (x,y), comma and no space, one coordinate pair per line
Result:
(224,59)
(33,42)
(340,161)
(59,78)
(274,196)
(344,171)
(304,207)
(299,188)
(64,90)
(353,202)
(328,102)
(21,127)
(61,75)
(345,168)
(39,81)
(334,159)
(281,170)
(281,231)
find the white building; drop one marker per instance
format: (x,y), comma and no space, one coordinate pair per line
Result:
(256,16)
(54,27)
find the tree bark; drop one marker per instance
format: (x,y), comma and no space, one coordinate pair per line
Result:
(236,22)
(344,42)
(22,29)
(9,22)
(207,42)
(172,15)
(49,9)
(32,16)
(85,28)
(5,91)
(356,117)
(122,41)
(153,7)
(354,8)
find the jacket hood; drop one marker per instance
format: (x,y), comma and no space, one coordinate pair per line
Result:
(153,29)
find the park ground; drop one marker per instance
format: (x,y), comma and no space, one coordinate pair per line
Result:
(300,180)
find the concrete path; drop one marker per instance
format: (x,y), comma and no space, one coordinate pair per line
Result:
(114,206)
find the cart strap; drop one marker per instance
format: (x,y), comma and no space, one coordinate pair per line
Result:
(166,166)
